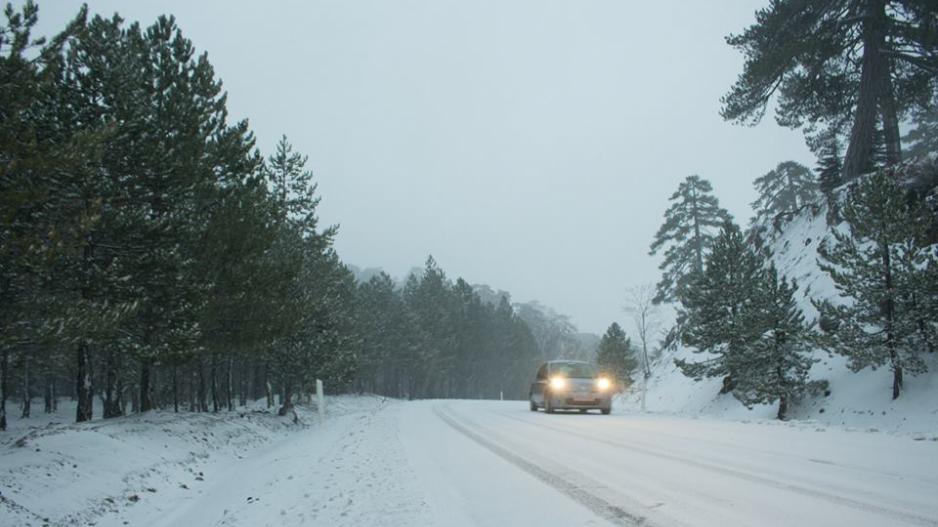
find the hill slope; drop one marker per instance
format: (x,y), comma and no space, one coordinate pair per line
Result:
(860,400)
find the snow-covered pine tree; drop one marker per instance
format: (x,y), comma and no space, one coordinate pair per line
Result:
(690,224)
(93,273)
(774,367)
(783,192)
(720,312)
(177,108)
(512,355)
(53,195)
(615,355)
(431,300)
(315,286)
(880,267)
(378,308)
(236,313)
(923,138)
(22,188)
(829,169)
(520,358)
(853,64)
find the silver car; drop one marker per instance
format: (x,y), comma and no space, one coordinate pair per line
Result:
(570,385)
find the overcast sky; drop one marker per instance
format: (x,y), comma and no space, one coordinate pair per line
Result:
(530,145)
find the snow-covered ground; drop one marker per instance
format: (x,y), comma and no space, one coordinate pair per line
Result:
(861,400)
(381,462)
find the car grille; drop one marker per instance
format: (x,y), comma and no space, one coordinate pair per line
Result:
(581,402)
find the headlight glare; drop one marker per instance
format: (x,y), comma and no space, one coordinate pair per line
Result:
(558,383)
(603,383)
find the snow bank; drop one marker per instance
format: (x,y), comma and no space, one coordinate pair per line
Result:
(52,471)
(857,400)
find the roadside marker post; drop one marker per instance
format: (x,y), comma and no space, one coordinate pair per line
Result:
(320,401)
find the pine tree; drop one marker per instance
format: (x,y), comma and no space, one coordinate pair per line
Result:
(719,310)
(316,287)
(880,268)
(235,317)
(175,105)
(474,349)
(615,356)
(378,314)
(51,194)
(849,63)
(431,300)
(774,367)
(686,236)
(784,191)
(923,137)
(829,169)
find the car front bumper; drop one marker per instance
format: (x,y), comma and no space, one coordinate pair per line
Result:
(578,401)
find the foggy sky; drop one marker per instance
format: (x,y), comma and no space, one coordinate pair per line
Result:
(530,145)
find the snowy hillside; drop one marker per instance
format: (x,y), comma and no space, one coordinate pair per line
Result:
(857,400)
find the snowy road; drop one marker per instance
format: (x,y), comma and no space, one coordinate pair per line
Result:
(468,463)
(669,471)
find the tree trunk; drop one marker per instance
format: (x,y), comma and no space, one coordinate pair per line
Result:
(112,387)
(27,400)
(175,390)
(873,76)
(287,399)
(203,403)
(896,381)
(4,369)
(228,386)
(146,386)
(890,117)
(214,380)
(191,377)
(243,386)
(782,407)
(49,395)
(889,313)
(83,386)
(728,385)
(698,243)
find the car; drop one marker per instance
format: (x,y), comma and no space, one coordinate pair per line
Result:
(570,385)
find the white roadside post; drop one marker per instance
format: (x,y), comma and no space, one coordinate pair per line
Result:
(320,401)
(644,388)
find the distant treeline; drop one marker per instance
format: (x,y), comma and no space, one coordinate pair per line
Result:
(437,339)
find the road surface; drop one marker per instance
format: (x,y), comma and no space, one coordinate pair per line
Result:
(490,463)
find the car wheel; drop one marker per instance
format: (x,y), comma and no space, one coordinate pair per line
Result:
(583,410)
(606,411)
(548,406)
(533,405)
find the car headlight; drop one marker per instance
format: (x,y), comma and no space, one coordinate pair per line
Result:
(603,384)
(558,383)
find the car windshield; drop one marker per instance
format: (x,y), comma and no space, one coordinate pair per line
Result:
(576,370)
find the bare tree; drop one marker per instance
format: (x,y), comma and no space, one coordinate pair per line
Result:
(639,303)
